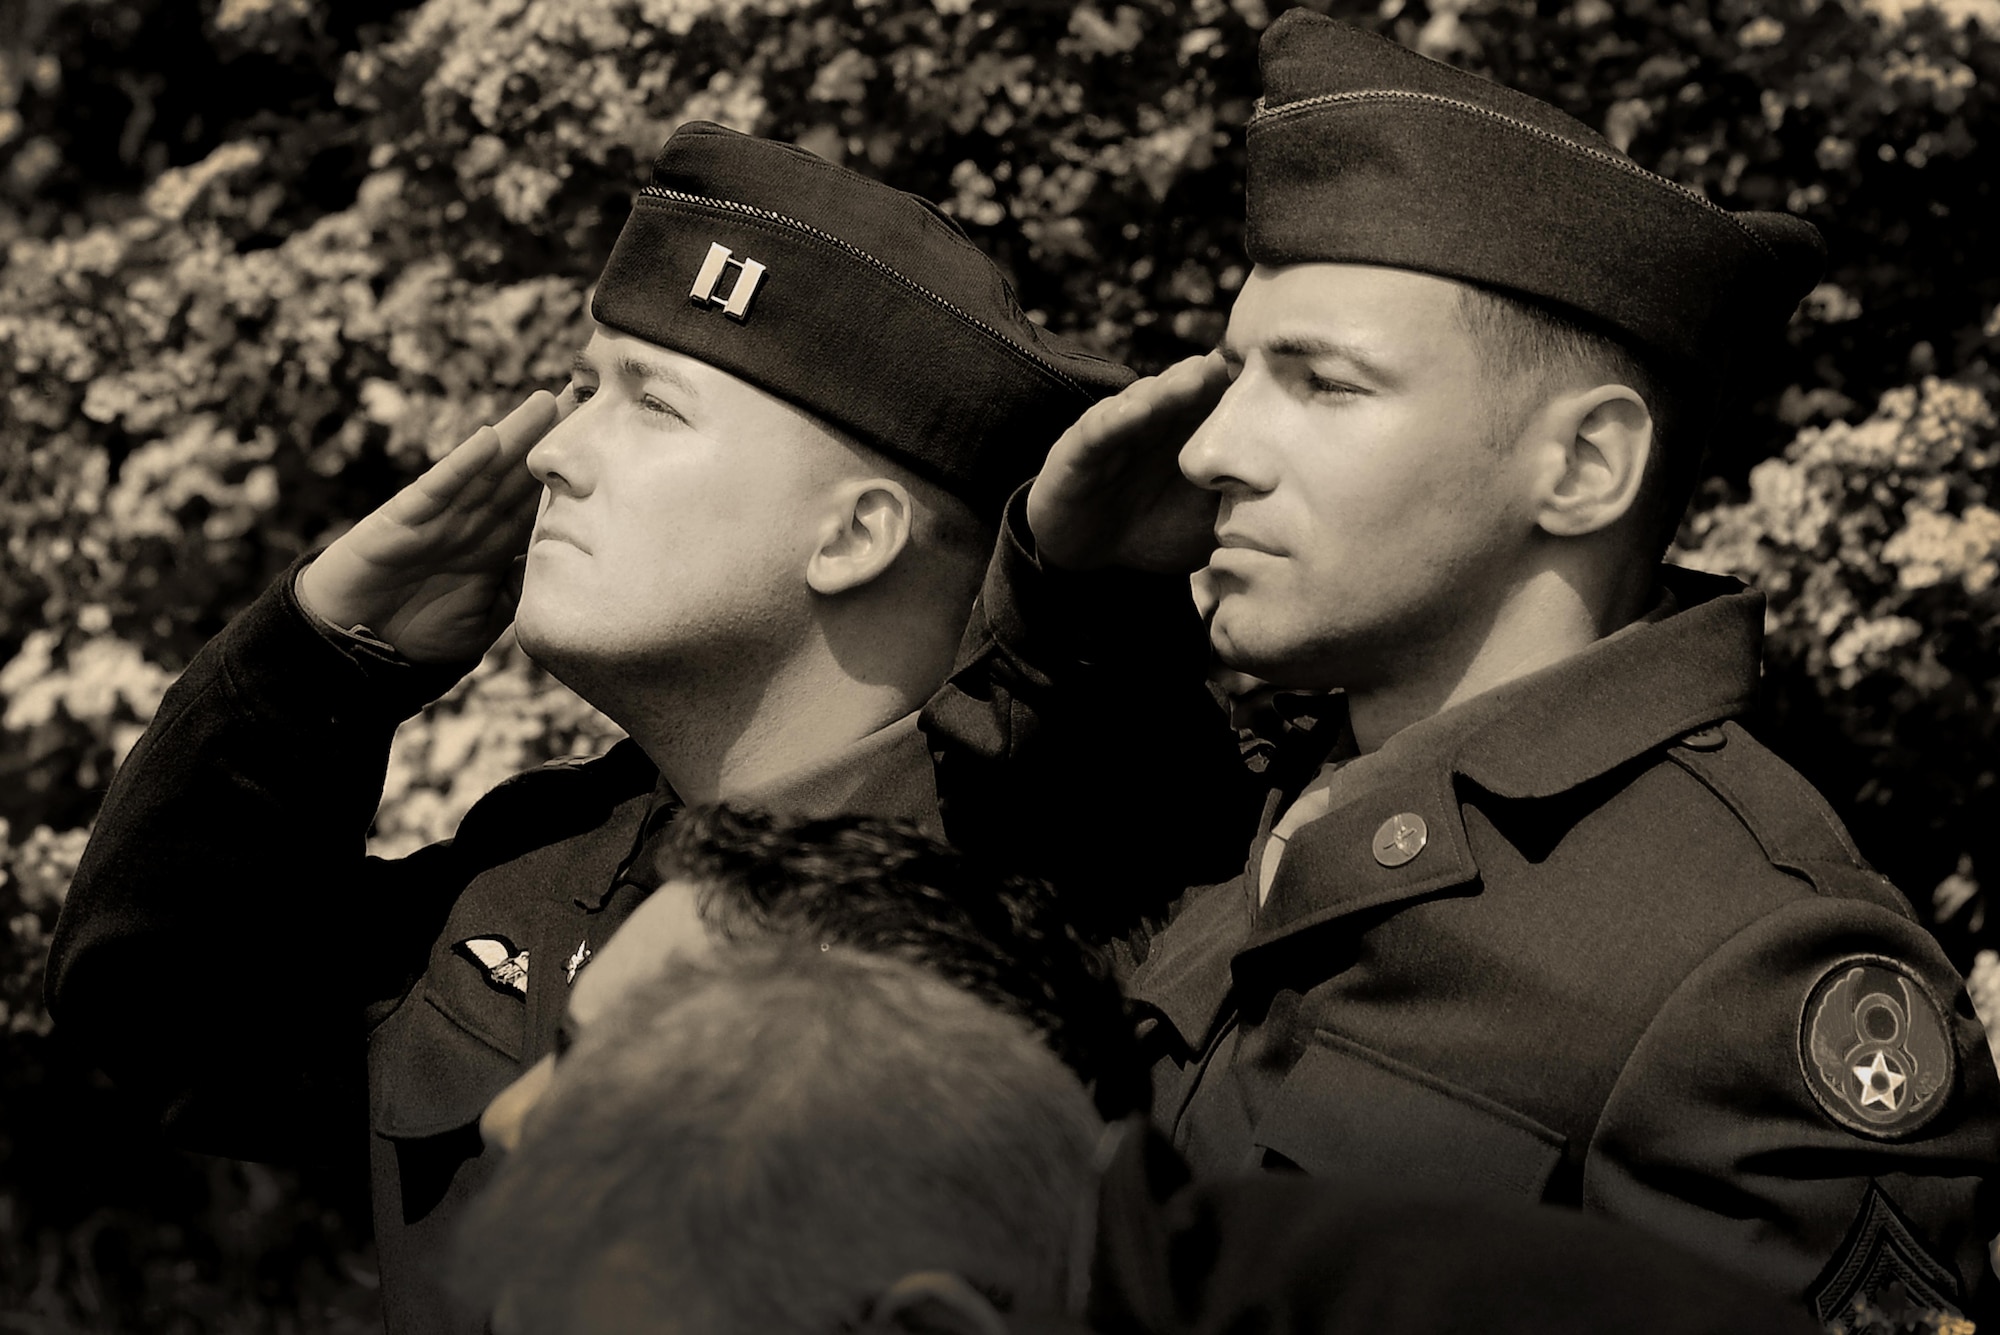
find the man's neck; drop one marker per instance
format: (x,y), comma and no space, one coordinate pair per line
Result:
(1543,622)
(716,736)
(709,759)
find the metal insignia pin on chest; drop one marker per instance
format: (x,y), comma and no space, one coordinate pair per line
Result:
(578,958)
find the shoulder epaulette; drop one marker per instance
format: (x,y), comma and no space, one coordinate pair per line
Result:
(1789,819)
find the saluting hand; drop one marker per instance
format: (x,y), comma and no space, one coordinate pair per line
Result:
(1112,492)
(430,571)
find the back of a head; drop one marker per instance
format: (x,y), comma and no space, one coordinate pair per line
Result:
(765,1142)
(887,888)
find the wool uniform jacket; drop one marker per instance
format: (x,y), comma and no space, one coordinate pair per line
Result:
(1308,1256)
(235,960)
(1583,940)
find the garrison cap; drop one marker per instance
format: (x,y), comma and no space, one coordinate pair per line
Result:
(859,303)
(1362,151)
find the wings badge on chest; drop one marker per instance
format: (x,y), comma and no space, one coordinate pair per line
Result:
(505,968)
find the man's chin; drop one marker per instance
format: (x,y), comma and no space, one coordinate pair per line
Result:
(1283,664)
(545,640)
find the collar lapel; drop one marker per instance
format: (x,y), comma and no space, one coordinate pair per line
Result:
(1625,695)
(1185,976)
(1330,868)
(1534,738)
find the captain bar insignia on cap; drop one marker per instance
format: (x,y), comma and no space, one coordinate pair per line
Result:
(749,274)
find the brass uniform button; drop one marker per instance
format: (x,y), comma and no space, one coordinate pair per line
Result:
(1400,838)
(1705,739)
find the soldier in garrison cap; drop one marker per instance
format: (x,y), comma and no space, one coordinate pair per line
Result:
(753,522)
(1525,906)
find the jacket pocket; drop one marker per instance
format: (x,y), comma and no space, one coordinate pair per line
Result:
(431,1071)
(1347,1110)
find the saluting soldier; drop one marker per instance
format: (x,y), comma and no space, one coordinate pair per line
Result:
(758,514)
(1525,906)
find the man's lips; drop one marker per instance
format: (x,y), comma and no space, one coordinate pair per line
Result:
(1240,542)
(544,533)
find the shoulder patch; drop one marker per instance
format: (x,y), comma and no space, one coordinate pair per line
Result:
(1875,1048)
(505,969)
(1880,1257)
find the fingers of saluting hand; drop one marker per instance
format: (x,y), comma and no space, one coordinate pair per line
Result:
(1172,402)
(520,429)
(488,468)
(1190,388)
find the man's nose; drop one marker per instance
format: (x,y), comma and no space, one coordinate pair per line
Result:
(559,460)
(1217,456)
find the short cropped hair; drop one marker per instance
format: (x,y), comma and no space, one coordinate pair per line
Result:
(885,887)
(759,1143)
(1526,346)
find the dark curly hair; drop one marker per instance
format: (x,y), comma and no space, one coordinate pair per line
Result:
(885,887)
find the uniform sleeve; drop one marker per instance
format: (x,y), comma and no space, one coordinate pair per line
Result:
(1817,1107)
(1077,738)
(226,931)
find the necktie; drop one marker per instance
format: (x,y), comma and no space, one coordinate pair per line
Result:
(1313,801)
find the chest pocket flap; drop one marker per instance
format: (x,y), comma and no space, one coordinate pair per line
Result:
(435,1064)
(1347,1110)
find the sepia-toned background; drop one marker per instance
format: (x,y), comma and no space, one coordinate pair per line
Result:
(261,259)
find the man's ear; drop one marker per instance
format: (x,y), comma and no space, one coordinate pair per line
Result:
(867,526)
(1596,443)
(933,1302)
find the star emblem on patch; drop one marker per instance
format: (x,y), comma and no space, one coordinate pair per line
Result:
(1880,1085)
(1875,1047)
(506,969)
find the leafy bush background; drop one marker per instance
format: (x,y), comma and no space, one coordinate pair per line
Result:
(264,258)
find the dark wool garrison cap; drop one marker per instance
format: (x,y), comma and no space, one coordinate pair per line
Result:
(1362,151)
(861,304)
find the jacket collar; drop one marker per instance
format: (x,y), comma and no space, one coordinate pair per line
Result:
(1538,737)
(1545,734)
(886,774)
(1625,695)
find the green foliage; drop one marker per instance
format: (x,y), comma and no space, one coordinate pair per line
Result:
(263,258)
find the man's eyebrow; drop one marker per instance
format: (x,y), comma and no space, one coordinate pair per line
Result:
(634,367)
(1310,346)
(638,368)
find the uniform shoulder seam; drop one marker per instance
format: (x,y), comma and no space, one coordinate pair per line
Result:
(1787,816)
(1792,823)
